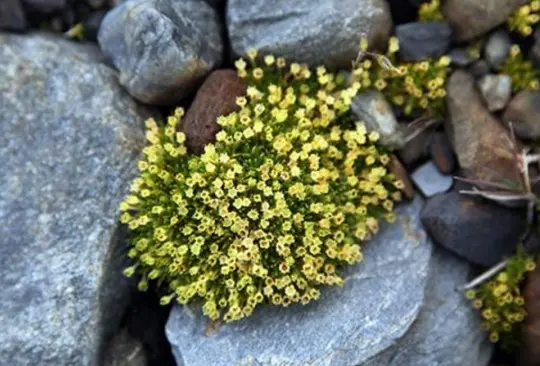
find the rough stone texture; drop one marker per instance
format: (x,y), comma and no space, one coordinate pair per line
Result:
(441,152)
(373,109)
(483,146)
(423,40)
(12,16)
(380,300)
(162,48)
(496,91)
(529,354)
(481,232)
(124,350)
(524,114)
(216,97)
(325,32)
(45,6)
(472,18)
(430,181)
(447,331)
(69,140)
(396,167)
(497,48)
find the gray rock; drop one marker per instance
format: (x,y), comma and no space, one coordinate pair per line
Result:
(12,16)
(479,68)
(481,232)
(69,140)
(45,6)
(472,18)
(423,40)
(162,48)
(447,331)
(461,57)
(497,48)
(373,109)
(524,114)
(124,350)
(380,300)
(496,90)
(430,181)
(325,32)
(534,54)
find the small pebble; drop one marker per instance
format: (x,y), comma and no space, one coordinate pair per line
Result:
(430,181)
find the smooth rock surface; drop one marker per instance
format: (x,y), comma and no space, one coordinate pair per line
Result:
(442,154)
(472,18)
(497,48)
(417,149)
(481,232)
(373,109)
(447,331)
(12,16)
(496,91)
(216,97)
(483,146)
(162,48)
(524,114)
(69,140)
(396,167)
(326,32)
(423,40)
(380,300)
(430,181)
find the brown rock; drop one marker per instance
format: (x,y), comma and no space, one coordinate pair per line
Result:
(524,114)
(216,97)
(395,167)
(417,149)
(442,153)
(530,331)
(483,146)
(472,18)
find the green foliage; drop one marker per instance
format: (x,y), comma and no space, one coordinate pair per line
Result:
(271,211)
(523,19)
(500,300)
(430,12)
(415,87)
(522,72)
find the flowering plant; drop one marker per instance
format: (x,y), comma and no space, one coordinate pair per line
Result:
(271,211)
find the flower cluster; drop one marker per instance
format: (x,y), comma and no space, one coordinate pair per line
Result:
(522,72)
(430,12)
(500,300)
(524,18)
(271,211)
(415,87)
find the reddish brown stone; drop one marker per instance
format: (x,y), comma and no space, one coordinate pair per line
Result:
(483,146)
(530,331)
(216,97)
(395,167)
(442,153)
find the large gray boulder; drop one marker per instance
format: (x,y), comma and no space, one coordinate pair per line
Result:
(69,140)
(447,331)
(322,32)
(162,48)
